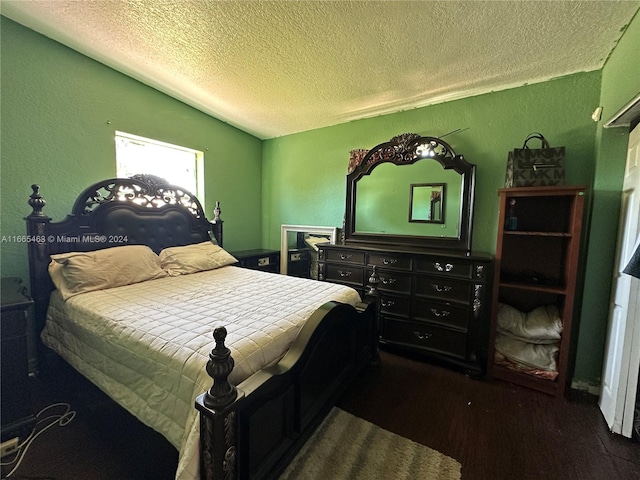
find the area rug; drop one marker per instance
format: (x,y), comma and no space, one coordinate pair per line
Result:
(346,447)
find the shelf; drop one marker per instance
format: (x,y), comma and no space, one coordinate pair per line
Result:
(537,234)
(534,287)
(537,266)
(526,380)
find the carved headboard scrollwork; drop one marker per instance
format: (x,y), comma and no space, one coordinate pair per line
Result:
(383,200)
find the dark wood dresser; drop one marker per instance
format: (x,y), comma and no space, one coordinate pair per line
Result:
(16,407)
(432,303)
(409,215)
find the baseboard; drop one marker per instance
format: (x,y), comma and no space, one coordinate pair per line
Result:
(584,386)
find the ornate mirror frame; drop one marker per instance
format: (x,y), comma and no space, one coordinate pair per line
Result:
(406,149)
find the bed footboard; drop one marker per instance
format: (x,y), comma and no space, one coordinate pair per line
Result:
(254,431)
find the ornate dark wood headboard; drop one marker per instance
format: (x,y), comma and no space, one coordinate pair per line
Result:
(143,210)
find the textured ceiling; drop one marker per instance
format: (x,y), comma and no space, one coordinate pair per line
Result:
(281,67)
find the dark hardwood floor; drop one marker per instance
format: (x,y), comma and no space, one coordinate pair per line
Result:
(497,431)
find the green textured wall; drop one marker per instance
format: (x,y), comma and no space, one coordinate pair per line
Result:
(304,174)
(60,110)
(620,84)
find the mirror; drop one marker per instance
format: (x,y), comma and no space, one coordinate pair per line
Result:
(294,239)
(426,202)
(419,175)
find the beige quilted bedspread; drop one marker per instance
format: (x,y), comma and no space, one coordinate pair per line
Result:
(146,345)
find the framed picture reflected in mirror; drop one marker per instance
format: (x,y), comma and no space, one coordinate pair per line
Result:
(426,202)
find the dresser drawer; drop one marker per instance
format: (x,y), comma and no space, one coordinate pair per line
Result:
(345,274)
(425,336)
(392,260)
(391,281)
(444,288)
(453,315)
(394,305)
(332,255)
(444,265)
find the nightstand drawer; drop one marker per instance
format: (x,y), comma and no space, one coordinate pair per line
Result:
(299,263)
(259,259)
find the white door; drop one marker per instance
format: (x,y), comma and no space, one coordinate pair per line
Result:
(622,354)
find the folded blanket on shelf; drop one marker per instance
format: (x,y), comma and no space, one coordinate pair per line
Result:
(530,355)
(541,325)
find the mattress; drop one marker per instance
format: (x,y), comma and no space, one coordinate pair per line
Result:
(146,345)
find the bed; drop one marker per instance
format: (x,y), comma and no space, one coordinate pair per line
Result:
(235,367)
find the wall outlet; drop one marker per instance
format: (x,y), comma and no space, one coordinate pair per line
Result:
(9,447)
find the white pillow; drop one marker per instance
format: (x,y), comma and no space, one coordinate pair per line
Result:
(194,258)
(314,241)
(79,272)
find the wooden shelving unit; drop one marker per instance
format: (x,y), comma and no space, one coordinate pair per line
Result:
(536,264)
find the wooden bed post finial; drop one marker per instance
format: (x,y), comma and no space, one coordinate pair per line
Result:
(217,212)
(36,201)
(216,225)
(219,367)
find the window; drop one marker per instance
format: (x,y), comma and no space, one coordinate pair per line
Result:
(178,165)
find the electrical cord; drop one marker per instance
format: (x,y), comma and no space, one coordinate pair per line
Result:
(51,419)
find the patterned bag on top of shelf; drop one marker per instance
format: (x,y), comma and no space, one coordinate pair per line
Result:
(527,167)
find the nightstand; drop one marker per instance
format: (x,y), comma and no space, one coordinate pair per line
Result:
(259,259)
(16,408)
(299,263)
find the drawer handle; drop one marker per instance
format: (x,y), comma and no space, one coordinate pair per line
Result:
(389,261)
(387,303)
(345,256)
(423,336)
(440,313)
(388,281)
(447,267)
(344,273)
(438,288)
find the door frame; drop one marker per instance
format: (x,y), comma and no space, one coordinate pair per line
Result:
(622,356)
